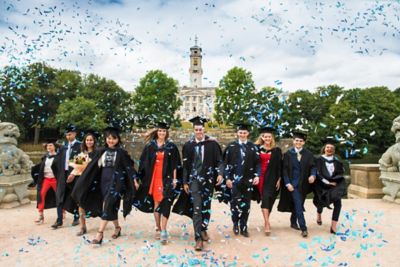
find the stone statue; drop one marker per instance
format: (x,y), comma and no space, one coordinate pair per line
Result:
(390,160)
(390,167)
(15,167)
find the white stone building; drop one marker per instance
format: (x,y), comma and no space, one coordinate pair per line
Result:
(197,100)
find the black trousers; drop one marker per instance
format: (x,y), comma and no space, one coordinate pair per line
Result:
(240,209)
(68,201)
(201,199)
(337,206)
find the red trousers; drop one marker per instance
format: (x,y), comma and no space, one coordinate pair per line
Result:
(47,184)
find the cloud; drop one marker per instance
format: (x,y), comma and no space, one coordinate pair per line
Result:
(304,44)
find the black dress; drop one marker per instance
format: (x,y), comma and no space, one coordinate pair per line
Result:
(101,187)
(37,173)
(271,176)
(172,161)
(325,194)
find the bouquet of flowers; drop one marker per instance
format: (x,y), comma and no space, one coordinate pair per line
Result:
(79,163)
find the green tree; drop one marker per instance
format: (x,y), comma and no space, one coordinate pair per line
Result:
(155,99)
(110,98)
(12,85)
(397,92)
(39,100)
(235,97)
(269,107)
(364,118)
(82,112)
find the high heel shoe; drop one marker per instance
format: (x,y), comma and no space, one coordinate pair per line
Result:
(117,234)
(333,232)
(82,231)
(98,242)
(40,220)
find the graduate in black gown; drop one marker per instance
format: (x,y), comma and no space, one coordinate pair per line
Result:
(106,180)
(242,170)
(202,171)
(88,148)
(271,173)
(66,183)
(299,173)
(159,166)
(330,186)
(44,176)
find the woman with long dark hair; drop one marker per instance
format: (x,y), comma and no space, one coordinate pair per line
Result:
(88,148)
(159,165)
(106,180)
(270,178)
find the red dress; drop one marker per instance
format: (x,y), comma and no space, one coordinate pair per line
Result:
(264,158)
(156,186)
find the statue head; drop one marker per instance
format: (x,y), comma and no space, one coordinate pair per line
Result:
(9,133)
(396,128)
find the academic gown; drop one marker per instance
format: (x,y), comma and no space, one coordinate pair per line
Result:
(211,167)
(250,169)
(271,176)
(307,163)
(172,160)
(37,173)
(325,194)
(64,189)
(87,191)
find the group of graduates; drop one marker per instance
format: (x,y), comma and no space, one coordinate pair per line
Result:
(91,181)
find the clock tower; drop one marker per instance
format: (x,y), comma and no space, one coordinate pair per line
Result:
(195,70)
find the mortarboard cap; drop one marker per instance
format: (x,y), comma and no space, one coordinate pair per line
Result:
(70,128)
(162,125)
(267,129)
(198,121)
(300,135)
(242,126)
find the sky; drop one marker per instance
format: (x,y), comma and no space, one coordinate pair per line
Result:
(288,44)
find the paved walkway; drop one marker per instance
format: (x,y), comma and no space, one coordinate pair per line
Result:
(369,236)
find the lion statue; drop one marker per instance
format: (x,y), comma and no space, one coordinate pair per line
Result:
(390,160)
(12,159)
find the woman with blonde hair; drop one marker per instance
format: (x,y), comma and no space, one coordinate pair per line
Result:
(270,177)
(158,168)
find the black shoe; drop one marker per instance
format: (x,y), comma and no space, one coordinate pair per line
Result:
(117,232)
(333,232)
(236,229)
(204,236)
(81,232)
(98,241)
(304,233)
(199,245)
(244,233)
(319,222)
(75,222)
(295,226)
(56,225)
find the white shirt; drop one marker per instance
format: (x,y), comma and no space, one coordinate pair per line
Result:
(202,147)
(102,159)
(329,166)
(68,153)
(48,172)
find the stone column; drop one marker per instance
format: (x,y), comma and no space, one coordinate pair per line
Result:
(365,182)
